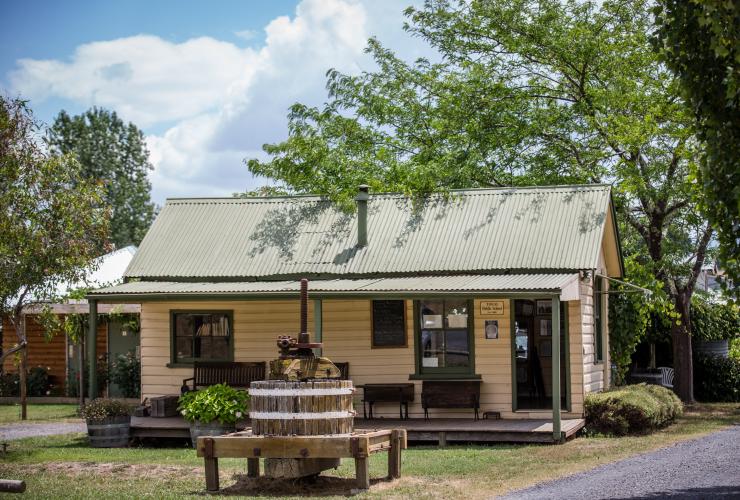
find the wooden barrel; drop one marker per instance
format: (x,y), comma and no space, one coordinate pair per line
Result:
(283,408)
(112,432)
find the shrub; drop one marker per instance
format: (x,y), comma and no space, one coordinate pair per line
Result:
(38,381)
(631,409)
(217,402)
(125,372)
(711,321)
(716,379)
(9,384)
(101,408)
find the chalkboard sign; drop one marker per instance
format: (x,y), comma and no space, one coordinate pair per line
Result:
(389,323)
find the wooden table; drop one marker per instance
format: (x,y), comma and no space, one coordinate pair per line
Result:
(401,393)
(358,445)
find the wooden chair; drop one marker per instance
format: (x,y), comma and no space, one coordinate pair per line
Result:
(667,374)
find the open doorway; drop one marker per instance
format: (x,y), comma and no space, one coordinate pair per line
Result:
(532,345)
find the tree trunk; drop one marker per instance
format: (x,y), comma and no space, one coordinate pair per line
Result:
(683,382)
(22,372)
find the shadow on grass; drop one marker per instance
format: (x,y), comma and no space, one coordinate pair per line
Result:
(312,486)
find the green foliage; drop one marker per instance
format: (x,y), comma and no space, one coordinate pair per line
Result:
(628,317)
(710,321)
(52,224)
(38,381)
(631,409)
(125,372)
(9,384)
(217,402)
(114,154)
(717,379)
(102,408)
(527,92)
(700,41)
(735,348)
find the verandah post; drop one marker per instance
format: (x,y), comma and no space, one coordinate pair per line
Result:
(92,331)
(556,367)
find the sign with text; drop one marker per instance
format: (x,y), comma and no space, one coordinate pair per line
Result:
(492,308)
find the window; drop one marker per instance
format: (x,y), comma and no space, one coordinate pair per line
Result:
(389,323)
(201,336)
(598,321)
(444,337)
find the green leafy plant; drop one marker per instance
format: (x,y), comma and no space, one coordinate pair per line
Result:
(217,402)
(632,409)
(125,372)
(717,379)
(38,381)
(101,408)
(714,321)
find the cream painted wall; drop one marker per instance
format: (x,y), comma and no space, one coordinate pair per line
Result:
(347,338)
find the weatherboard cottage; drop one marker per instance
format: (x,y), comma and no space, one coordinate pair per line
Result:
(496,289)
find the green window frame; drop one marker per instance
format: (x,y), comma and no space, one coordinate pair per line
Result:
(598,320)
(448,331)
(206,330)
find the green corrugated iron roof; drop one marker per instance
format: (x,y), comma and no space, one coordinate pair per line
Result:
(479,284)
(474,231)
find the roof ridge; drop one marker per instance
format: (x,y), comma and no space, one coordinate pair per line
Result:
(324,198)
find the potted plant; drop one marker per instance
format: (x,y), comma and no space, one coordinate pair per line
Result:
(213,411)
(108,422)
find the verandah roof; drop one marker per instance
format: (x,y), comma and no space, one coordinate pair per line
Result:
(566,285)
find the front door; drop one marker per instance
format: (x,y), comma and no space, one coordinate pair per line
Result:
(121,340)
(533,354)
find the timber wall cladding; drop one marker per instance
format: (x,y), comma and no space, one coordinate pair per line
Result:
(51,354)
(256,327)
(347,338)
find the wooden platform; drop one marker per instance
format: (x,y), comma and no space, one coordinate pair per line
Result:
(435,430)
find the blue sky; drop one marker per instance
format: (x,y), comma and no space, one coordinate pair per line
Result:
(208,82)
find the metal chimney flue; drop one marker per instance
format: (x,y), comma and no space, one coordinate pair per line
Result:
(363,194)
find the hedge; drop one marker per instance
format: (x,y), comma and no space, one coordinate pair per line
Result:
(631,409)
(716,379)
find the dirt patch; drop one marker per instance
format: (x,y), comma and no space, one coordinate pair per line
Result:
(135,471)
(320,486)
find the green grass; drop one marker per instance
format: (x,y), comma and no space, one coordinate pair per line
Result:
(36,412)
(64,467)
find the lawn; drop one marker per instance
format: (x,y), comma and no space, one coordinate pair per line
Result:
(64,467)
(37,412)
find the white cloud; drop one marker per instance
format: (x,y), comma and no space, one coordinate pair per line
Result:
(144,78)
(226,100)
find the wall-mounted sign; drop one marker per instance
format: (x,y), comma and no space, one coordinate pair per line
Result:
(492,308)
(491,328)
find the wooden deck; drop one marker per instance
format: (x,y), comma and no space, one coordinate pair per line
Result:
(435,430)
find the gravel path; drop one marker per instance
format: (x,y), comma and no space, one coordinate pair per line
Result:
(707,468)
(19,431)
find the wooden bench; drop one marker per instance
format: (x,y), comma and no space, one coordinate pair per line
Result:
(450,394)
(402,394)
(235,374)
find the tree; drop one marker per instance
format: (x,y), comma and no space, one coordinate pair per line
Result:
(52,224)
(701,43)
(527,92)
(115,153)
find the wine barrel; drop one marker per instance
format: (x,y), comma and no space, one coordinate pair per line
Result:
(310,408)
(112,432)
